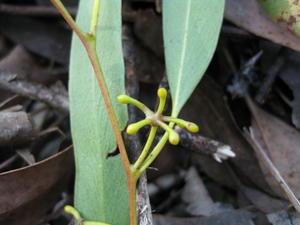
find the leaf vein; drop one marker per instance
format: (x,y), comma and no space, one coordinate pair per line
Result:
(184,47)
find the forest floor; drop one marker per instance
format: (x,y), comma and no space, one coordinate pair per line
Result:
(248,101)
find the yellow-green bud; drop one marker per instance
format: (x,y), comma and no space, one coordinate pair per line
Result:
(132,129)
(125,99)
(174,138)
(72,211)
(162,93)
(181,125)
(192,127)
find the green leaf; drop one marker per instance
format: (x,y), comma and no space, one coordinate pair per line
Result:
(191,29)
(101,192)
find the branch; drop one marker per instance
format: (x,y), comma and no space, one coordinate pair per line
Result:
(133,141)
(55,97)
(200,144)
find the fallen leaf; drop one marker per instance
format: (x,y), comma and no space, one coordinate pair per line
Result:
(263,201)
(271,172)
(27,66)
(18,61)
(196,197)
(28,193)
(16,129)
(208,108)
(249,15)
(284,12)
(282,144)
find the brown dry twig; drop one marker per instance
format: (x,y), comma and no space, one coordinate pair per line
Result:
(133,141)
(55,96)
(8,162)
(200,144)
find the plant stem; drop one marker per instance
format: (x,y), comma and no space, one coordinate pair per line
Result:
(162,102)
(132,199)
(128,100)
(101,82)
(89,42)
(146,148)
(180,122)
(134,127)
(67,16)
(152,155)
(166,127)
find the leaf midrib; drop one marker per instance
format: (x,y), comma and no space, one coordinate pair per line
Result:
(184,45)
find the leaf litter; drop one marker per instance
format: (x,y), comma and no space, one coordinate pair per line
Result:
(187,187)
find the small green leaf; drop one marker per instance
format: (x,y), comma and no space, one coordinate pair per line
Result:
(101,192)
(191,29)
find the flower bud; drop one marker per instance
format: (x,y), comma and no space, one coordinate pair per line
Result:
(174,138)
(162,93)
(125,99)
(132,129)
(192,127)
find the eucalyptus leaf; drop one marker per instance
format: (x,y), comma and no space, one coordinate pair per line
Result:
(101,192)
(191,29)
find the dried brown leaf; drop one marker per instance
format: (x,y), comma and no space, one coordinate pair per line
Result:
(196,197)
(264,202)
(208,108)
(282,144)
(28,193)
(18,61)
(249,15)
(16,129)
